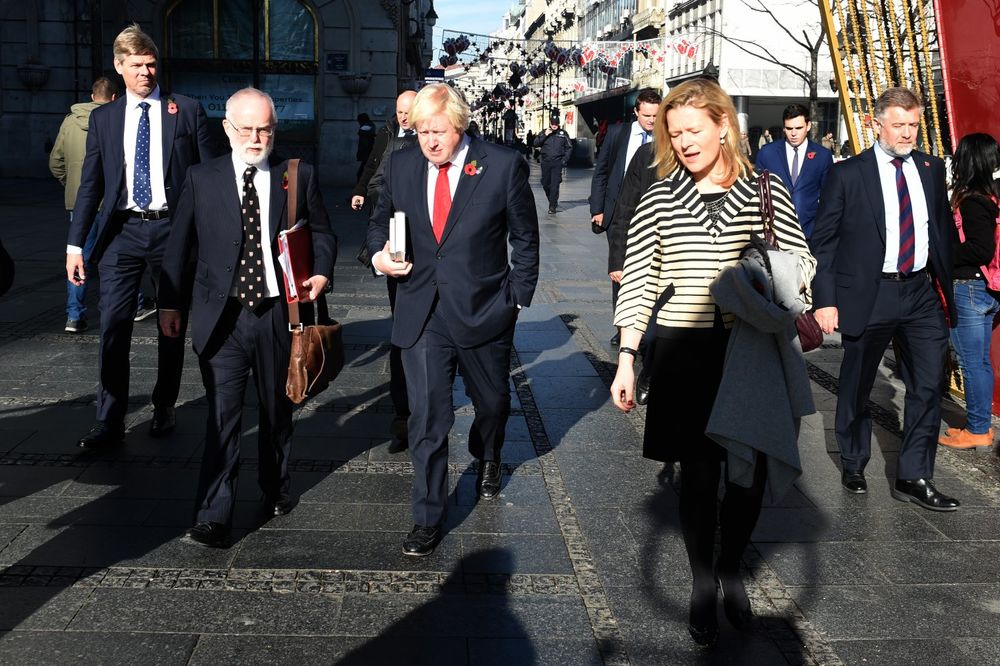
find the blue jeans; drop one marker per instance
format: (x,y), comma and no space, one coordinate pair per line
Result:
(76,297)
(971,339)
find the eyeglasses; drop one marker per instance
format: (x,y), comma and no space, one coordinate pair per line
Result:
(247,132)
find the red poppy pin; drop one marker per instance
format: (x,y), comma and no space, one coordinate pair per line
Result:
(472,170)
(284,181)
(927,163)
(811,155)
(171,106)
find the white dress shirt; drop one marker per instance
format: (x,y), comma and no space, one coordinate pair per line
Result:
(634,141)
(132,115)
(790,157)
(262,183)
(454,173)
(887,179)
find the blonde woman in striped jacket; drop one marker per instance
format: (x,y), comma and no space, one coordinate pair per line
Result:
(689,225)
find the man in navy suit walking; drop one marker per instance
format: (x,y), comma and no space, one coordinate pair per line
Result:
(459,292)
(801,164)
(620,145)
(230,212)
(883,249)
(139,148)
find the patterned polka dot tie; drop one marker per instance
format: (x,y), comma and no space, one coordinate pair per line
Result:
(142,192)
(251,273)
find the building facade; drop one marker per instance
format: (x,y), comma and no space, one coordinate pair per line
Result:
(323,62)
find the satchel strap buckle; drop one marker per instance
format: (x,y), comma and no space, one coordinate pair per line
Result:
(296,327)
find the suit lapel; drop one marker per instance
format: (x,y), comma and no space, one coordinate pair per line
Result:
(168,127)
(230,197)
(279,198)
(927,183)
(116,139)
(873,187)
(467,184)
(783,171)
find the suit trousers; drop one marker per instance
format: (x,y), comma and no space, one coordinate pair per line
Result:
(397,376)
(908,312)
(136,244)
(430,366)
(245,342)
(551,179)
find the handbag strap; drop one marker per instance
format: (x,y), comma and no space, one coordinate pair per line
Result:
(766,207)
(293,188)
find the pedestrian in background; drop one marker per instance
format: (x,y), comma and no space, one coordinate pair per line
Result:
(128,189)
(765,138)
(692,222)
(974,200)
(66,164)
(556,148)
(396,134)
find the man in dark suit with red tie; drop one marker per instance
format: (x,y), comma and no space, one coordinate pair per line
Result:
(459,292)
(139,148)
(230,212)
(882,241)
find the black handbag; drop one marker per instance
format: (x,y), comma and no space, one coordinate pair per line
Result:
(810,334)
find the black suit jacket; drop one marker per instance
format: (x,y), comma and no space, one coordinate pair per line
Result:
(609,172)
(185,142)
(207,223)
(638,178)
(848,238)
(478,286)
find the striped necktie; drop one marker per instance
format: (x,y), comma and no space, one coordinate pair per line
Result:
(907,237)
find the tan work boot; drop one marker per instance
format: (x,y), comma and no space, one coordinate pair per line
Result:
(963,439)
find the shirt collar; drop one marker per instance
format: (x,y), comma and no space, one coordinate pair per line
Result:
(883,156)
(638,130)
(133,100)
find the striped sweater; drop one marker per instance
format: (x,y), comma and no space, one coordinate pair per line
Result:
(672,240)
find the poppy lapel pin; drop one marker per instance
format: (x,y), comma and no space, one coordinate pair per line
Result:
(471,169)
(811,154)
(171,106)
(927,163)
(284,181)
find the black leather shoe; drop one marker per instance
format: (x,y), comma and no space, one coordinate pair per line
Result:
(398,444)
(552,210)
(164,421)
(854,481)
(488,481)
(734,600)
(283,505)
(616,339)
(642,387)
(421,541)
(102,435)
(923,492)
(703,625)
(212,535)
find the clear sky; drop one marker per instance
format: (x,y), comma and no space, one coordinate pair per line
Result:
(472,16)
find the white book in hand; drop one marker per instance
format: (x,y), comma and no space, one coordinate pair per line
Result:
(397,236)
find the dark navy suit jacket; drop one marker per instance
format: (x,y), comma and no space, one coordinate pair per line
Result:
(849,237)
(812,173)
(609,172)
(207,222)
(185,142)
(477,285)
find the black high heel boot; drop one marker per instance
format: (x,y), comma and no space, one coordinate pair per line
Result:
(703,625)
(735,602)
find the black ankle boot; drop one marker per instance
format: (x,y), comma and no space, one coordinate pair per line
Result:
(735,602)
(703,625)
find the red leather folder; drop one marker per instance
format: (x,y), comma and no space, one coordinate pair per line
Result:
(296,257)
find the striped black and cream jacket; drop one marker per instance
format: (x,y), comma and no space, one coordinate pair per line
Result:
(672,240)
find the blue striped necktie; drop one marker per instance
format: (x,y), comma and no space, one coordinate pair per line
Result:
(907,237)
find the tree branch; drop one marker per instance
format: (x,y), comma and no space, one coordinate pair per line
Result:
(761,9)
(765,54)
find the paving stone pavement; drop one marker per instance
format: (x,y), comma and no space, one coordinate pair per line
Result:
(578,562)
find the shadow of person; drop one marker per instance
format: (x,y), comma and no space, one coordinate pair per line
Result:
(472,619)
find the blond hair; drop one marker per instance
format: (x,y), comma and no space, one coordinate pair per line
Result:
(440,98)
(133,41)
(708,95)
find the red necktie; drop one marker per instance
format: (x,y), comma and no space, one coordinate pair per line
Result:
(442,200)
(906,231)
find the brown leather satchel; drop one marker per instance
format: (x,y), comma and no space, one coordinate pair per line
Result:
(317,350)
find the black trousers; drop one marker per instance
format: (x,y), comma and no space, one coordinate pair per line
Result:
(430,374)
(245,343)
(551,179)
(136,245)
(397,375)
(909,312)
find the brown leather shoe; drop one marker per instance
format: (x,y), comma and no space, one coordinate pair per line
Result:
(963,439)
